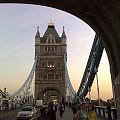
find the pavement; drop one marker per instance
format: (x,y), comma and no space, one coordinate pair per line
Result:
(68,115)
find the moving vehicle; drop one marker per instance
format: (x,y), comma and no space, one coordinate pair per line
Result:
(27,112)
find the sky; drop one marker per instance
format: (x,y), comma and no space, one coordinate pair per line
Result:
(18,26)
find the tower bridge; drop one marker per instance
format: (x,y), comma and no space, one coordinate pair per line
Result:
(103,16)
(52,79)
(51,74)
(50,67)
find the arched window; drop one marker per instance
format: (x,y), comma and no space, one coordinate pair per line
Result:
(50,76)
(43,64)
(58,64)
(56,76)
(52,40)
(52,49)
(48,40)
(55,48)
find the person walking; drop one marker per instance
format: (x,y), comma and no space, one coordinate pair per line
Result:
(74,111)
(51,113)
(108,110)
(43,115)
(61,109)
(91,113)
(82,113)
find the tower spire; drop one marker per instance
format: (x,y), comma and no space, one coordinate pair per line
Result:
(63,33)
(37,28)
(38,33)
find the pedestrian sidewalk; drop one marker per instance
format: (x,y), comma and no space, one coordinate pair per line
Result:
(68,115)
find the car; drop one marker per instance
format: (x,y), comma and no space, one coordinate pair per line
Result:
(27,112)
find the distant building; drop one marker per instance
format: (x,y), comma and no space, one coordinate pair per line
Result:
(3,98)
(3,95)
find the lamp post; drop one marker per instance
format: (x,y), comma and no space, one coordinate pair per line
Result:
(89,89)
(97,86)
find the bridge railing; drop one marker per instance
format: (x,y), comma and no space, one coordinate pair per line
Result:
(101,111)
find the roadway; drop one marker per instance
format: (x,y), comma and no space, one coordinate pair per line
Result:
(11,115)
(8,115)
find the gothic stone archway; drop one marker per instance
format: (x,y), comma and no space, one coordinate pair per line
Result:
(104,17)
(52,91)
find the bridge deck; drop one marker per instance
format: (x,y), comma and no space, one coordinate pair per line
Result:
(11,115)
(68,115)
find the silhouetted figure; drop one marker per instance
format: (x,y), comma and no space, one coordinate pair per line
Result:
(73,109)
(82,113)
(51,113)
(55,108)
(61,109)
(43,115)
(108,110)
(66,103)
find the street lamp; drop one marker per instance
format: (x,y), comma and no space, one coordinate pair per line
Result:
(89,90)
(96,70)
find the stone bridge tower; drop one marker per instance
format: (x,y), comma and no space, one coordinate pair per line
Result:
(50,80)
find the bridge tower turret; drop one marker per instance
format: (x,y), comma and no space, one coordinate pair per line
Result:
(37,42)
(64,42)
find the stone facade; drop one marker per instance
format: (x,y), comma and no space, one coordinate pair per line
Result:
(50,70)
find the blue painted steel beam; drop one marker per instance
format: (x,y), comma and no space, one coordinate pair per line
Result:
(92,64)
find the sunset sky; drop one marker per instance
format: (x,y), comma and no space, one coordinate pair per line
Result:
(18,25)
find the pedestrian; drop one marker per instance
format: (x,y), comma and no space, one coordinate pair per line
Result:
(108,110)
(55,107)
(43,115)
(91,113)
(51,113)
(64,105)
(61,109)
(73,108)
(74,111)
(82,113)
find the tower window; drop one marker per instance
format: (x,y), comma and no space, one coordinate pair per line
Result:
(48,40)
(52,40)
(45,77)
(42,64)
(50,76)
(52,48)
(40,75)
(55,48)
(56,76)
(45,48)
(51,64)
(48,48)
(58,64)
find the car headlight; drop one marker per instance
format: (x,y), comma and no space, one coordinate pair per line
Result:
(29,115)
(18,114)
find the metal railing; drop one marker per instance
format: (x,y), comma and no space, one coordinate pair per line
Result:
(101,111)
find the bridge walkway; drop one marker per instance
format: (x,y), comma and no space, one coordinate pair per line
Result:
(68,115)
